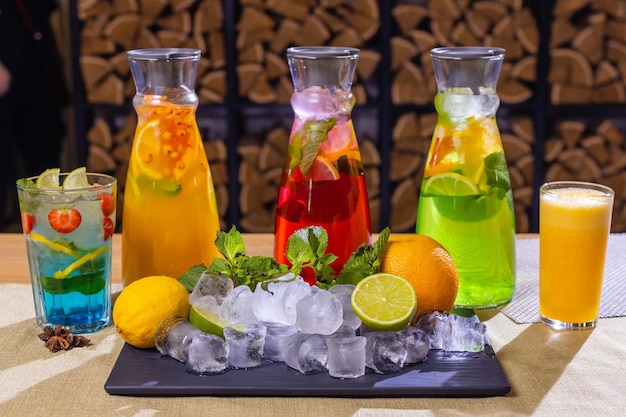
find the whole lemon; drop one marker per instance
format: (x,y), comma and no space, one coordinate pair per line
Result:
(427,265)
(143,305)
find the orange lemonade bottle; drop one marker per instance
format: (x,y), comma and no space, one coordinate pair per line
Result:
(170,216)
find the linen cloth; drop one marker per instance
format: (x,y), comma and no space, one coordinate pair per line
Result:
(552,374)
(524,306)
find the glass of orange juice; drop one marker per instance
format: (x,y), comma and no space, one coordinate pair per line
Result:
(574,226)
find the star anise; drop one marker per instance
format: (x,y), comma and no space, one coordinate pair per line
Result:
(60,338)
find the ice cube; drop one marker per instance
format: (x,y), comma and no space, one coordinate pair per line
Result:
(274,340)
(343,292)
(237,306)
(343,330)
(210,291)
(245,344)
(464,334)
(306,353)
(433,324)
(288,294)
(173,337)
(208,355)
(385,352)
(346,355)
(319,313)
(416,343)
(277,303)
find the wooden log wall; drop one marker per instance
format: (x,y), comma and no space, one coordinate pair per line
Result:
(585,65)
(588,52)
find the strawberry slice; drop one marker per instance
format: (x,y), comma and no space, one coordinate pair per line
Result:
(64,220)
(28,222)
(107,205)
(107,228)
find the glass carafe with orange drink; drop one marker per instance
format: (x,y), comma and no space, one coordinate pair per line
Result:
(466,201)
(170,217)
(322,183)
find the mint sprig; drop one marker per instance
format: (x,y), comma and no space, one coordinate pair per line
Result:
(306,248)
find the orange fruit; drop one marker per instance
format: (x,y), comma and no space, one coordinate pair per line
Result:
(427,265)
(324,170)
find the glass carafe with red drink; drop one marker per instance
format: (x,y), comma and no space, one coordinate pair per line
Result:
(323,183)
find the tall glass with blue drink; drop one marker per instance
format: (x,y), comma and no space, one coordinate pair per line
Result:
(68,233)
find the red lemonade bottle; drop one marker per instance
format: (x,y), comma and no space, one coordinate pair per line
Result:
(322,183)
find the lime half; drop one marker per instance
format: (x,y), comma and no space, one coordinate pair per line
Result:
(384,302)
(450,184)
(49,179)
(76,180)
(207,322)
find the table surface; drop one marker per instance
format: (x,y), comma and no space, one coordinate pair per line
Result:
(551,373)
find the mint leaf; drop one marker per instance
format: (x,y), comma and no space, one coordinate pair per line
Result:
(306,248)
(365,260)
(230,244)
(497,174)
(190,278)
(306,142)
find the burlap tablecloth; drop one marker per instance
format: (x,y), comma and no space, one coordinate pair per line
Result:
(551,373)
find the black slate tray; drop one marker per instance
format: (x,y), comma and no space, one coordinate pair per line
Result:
(145,372)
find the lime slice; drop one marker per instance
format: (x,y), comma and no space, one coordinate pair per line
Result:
(49,179)
(56,246)
(76,180)
(384,302)
(450,184)
(207,322)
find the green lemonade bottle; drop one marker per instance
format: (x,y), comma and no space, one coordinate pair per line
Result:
(466,202)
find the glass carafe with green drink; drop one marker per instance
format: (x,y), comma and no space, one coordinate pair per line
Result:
(466,202)
(322,183)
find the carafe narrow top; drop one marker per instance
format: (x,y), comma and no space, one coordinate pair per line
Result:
(327,67)
(161,70)
(473,67)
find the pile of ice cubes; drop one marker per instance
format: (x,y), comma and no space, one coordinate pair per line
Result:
(311,330)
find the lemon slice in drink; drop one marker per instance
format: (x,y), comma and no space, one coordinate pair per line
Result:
(79,262)
(450,184)
(76,180)
(146,152)
(49,179)
(384,302)
(207,322)
(53,245)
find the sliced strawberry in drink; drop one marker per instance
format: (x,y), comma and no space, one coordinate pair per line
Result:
(107,228)
(64,220)
(107,205)
(28,222)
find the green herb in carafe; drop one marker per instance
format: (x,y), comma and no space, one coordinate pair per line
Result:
(466,201)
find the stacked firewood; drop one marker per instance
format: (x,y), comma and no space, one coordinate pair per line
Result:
(266,28)
(581,151)
(411,138)
(588,56)
(262,157)
(500,23)
(112,27)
